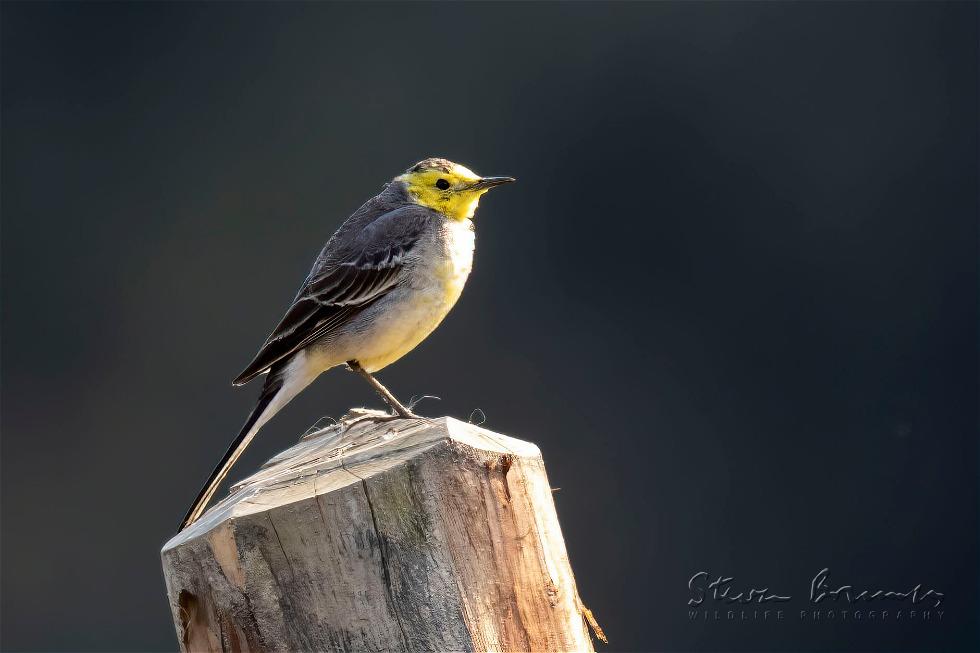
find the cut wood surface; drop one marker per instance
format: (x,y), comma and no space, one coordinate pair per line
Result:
(413,535)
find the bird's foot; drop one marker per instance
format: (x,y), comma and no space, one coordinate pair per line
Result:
(366,415)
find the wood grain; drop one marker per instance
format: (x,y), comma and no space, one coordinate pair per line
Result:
(416,535)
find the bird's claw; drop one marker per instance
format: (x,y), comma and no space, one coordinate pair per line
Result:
(363,415)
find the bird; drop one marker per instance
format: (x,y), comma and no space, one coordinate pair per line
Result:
(381,284)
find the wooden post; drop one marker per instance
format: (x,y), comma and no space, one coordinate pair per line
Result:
(414,535)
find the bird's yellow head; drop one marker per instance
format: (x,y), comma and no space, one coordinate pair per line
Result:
(447,187)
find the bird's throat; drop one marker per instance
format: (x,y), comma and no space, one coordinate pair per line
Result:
(457,207)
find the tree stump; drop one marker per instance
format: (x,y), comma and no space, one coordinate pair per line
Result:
(413,535)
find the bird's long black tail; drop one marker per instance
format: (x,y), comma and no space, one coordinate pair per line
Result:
(273,384)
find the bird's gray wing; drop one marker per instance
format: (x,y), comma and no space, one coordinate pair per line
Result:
(342,284)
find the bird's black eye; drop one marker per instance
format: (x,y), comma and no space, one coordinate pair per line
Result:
(442,184)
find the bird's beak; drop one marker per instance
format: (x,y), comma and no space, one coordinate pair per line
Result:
(486,183)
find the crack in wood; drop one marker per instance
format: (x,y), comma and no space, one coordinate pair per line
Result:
(384,560)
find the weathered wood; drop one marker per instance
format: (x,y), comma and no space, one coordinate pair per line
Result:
(428,535)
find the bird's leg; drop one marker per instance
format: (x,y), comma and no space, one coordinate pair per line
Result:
(394,404)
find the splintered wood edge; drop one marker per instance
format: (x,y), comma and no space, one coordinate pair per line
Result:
(317,464)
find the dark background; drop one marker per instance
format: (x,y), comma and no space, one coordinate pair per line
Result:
(733,296)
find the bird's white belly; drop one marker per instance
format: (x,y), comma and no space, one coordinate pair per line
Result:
(397,323)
